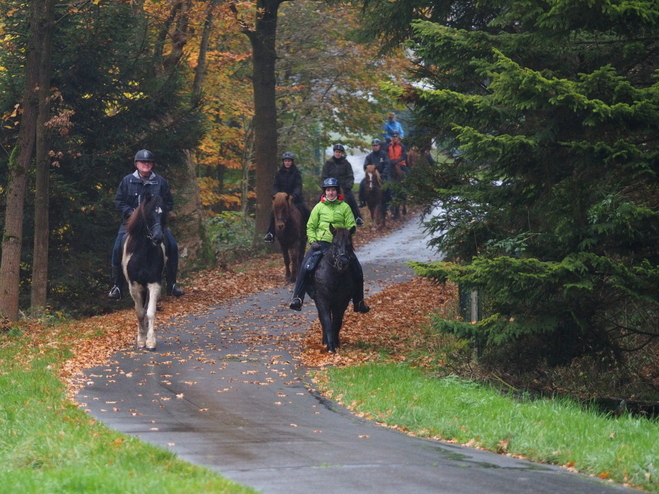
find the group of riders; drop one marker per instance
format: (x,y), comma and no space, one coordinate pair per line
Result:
(337,207)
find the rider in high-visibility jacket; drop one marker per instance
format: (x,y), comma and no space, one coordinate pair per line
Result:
(330,210)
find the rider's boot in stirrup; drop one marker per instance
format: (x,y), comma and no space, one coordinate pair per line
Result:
(119,285)
(361,306)
(172,287)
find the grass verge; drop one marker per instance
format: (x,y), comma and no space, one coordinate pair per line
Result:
(48,445)
(559,431)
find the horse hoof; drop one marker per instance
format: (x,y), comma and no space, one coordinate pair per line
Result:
(150,348)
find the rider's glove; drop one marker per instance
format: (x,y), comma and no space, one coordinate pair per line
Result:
(315,245)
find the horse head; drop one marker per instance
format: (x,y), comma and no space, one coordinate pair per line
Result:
(373,178)
(281,207)
(149,219)
(342,249)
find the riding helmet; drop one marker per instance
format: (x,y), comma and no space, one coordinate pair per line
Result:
(144,155)
(330,182)
(339,147)
(376,142)
(288,156)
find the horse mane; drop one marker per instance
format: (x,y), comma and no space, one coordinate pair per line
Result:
(376,174)
(280,201)
(138,221)
(342,235)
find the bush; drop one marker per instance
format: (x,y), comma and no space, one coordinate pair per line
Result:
(231,235)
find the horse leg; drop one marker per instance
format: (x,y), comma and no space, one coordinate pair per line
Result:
(139,296)
(152,300)
(287,262)
(325,316)
(337,322)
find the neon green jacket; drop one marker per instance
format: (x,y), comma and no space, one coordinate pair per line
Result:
(338,213)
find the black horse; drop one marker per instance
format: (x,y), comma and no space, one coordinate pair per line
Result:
(333,286)
(143,263)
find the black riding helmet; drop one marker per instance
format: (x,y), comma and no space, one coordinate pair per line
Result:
(288,156)
(331,182)
(339,147)
(144,155)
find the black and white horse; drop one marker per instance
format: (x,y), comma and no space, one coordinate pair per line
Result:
(143,263)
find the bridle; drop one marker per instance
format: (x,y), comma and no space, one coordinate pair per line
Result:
(150,229)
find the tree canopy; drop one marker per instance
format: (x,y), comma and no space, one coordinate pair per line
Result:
(547,113)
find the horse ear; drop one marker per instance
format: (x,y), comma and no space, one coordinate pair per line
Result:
(332,229)
(353,230)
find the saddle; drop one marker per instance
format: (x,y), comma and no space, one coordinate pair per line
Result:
(313,260)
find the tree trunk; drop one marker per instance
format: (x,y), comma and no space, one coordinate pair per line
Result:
(42,185)
(17,181)
(200,69)
(263,39)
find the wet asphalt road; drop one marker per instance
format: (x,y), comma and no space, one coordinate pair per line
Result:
(223,390)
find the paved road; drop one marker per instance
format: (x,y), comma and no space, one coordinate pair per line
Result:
(223,390)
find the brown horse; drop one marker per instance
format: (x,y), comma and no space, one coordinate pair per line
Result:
(375,198)
(399,197)
(290,231)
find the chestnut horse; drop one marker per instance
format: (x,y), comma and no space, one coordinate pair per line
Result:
(290,231)
(375,196)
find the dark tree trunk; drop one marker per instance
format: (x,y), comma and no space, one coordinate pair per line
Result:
(42,186)
(17,181)
(263,39)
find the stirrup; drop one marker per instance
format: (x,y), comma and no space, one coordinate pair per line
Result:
(115,293)
(269,238)
(296,304)
(362,307)
(359,221)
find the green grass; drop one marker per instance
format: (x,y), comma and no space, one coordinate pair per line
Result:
(48,445)
(559,431)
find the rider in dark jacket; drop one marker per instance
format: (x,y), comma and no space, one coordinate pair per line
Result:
(131,191)
(380,158)
(339,167)
(287,179)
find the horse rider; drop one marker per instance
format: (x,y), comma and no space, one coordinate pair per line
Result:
(380,158)
(330,210)
(131,191)
(391,126)
(339,167)
(397,152)
(287,179)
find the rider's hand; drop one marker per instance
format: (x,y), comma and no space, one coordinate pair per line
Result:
(315,245)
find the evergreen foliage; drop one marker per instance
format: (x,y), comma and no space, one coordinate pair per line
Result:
(549,118)
(109,99)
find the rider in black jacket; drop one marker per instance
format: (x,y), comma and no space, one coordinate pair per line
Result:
(129,194)
(380,158)
(287,179)
(339,167)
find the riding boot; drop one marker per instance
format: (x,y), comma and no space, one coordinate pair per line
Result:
(358,292)
(301,283)
(300,290)
(270,234)
(119,283)
(172,287)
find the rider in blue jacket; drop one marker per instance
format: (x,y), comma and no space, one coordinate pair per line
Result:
(129,194)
